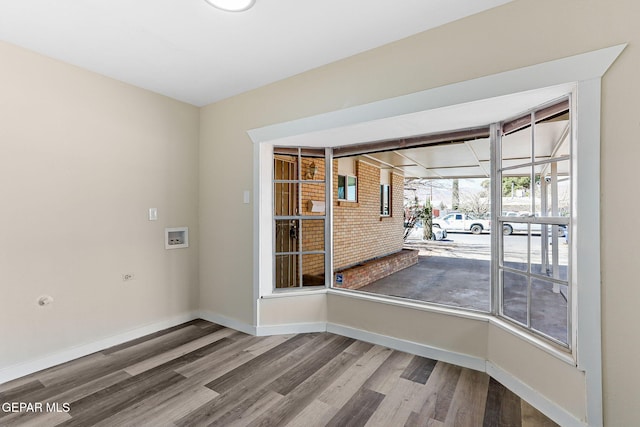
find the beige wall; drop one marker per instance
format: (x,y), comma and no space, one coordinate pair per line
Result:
(293,310)
(456,334)
(538,369)
(82,159)
(518,34)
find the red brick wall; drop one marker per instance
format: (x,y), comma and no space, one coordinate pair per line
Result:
(312,230)
(370,271)
(359,232)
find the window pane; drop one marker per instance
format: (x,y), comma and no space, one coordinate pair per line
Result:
(385,199)
(285,167)
(312,235)
(313,270)
(514,296)
(342,184)
(514,245)
(516,148)
(286,271)
(549,309)
(552,138)
(549,256)
(285,199)
(287,235)
(313,168)
(351,188)
(553,187)
(516,193)
(313,199)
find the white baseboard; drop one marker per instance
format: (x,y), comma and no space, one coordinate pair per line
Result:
(544,405)
(228,322)
(459,359)
(19,370)
(535,399)
(293,328)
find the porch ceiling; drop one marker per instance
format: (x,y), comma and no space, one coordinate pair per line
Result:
(471,159)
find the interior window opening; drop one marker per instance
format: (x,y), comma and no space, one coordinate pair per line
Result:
(299,197)
(534,257)
(455,191)
(439,251)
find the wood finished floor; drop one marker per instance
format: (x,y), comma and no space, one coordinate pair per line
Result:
(202,374)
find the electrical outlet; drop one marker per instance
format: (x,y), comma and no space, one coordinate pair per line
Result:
(127,277)
(45,300)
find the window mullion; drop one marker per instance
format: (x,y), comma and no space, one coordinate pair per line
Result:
(328,211)
(496,207)
(299,213)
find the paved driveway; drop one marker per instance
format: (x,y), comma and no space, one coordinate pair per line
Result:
(455,273)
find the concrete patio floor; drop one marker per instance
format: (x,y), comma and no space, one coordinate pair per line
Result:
(458,275)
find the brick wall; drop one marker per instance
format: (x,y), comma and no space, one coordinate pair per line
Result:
(359,232)
(362,274)
(312,230)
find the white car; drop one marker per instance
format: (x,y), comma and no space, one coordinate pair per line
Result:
(437,233)
(521,227)
(458,221)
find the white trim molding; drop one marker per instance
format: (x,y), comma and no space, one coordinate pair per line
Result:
(534,398)
(459,359)
(291,328)
(581,67)
(228,322)
(19,370)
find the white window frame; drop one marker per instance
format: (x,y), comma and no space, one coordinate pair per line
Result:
(584,70)
(389,200)
(497,250)
(346,188)
(299,217)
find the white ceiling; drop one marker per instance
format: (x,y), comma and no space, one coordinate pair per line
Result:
(192,52)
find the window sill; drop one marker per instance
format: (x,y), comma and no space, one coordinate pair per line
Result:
(348,204)
(549,348)
(294,292)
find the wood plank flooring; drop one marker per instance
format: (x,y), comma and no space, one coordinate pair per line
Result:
(202,374)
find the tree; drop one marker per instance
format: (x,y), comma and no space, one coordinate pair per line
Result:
(486,185)
(414,212)
(476,204)
(426,214)
(455,195)
(512,183)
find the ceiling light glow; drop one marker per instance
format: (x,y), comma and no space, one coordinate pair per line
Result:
(232,5)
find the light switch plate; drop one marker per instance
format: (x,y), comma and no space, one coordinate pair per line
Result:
(246,195)
(153,214)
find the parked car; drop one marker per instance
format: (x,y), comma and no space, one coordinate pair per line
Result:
(509,228)
(417,232)
(438,233)
(457,221)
